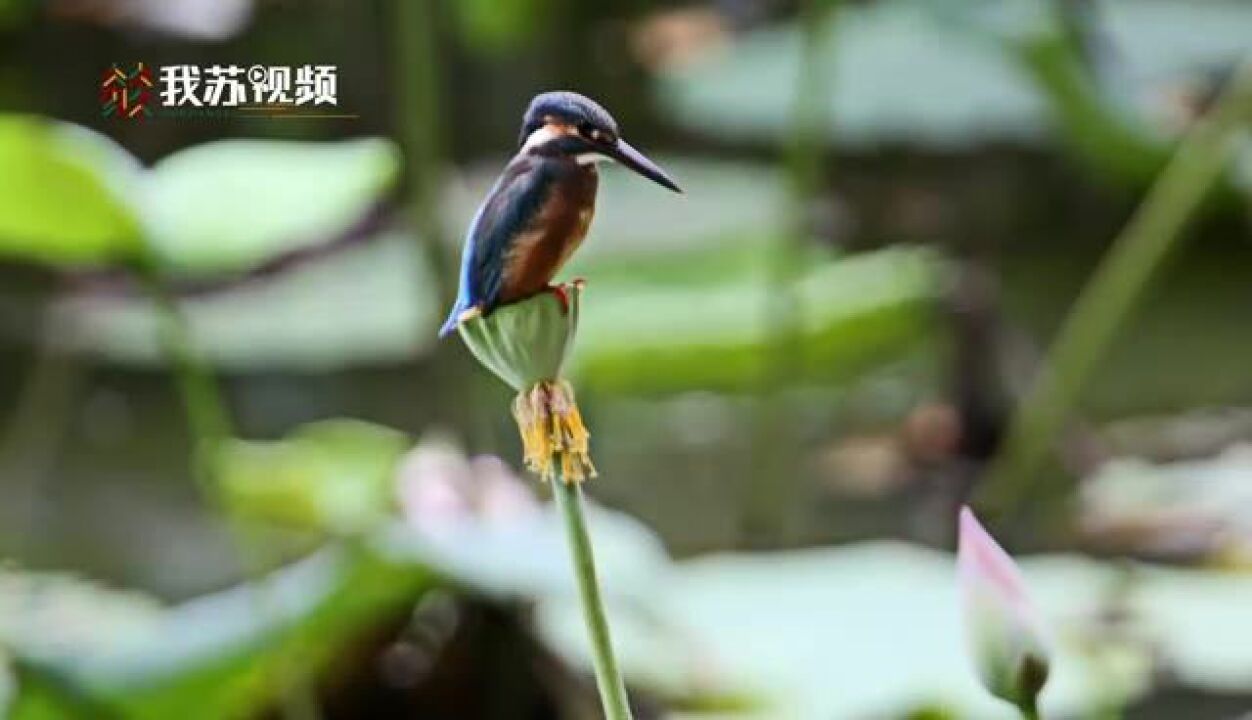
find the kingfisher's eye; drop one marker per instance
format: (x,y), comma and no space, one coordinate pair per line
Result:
(588,130)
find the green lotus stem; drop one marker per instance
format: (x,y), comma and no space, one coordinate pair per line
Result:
(1029,709)
(207,418)
(1113,291)
(422,135)
(768,498)
(612,690)
(210,427)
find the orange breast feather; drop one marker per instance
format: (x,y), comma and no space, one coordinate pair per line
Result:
(540,250)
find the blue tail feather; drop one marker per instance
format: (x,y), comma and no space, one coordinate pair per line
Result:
(449,325)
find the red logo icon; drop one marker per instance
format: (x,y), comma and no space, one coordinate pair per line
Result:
(126,93)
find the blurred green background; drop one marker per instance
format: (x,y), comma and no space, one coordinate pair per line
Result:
(240,477)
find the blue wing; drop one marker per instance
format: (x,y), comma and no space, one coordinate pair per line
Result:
(510,207)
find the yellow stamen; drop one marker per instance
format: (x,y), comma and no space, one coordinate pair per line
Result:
(553,432)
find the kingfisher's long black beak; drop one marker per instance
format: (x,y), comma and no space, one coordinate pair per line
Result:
(623,153)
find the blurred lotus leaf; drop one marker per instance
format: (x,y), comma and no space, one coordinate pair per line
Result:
(56,204)
(897,74)
(872,631)
(1182,509)
(476,521)
(1198,624)
(1151,41)
(663,657)
(230,206)
(318,316)
(527,557)
(952,74)
(49,613)
(707,258)
(334,476)
(218,657)
(72,197)
(80,651)
(641,336)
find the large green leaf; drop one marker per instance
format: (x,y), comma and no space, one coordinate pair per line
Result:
(897,75)
(70,196)
(224,655)
(81,650)
(365,304)
(232,205)
(334,475)
(961,72)
(57,206)
(676,302)
(344,477)
(217,657)
(874,631)
(526,556)
(851,313)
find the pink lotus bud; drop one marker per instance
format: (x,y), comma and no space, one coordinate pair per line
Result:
(1005,634)
(440,490)
(430,485)
(501,493)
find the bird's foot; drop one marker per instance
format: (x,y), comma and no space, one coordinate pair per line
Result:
(562,295)
(561,291)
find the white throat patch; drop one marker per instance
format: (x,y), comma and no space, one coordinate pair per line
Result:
(548,133)
(591,158)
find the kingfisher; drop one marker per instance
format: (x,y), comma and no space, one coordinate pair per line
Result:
(541,206)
